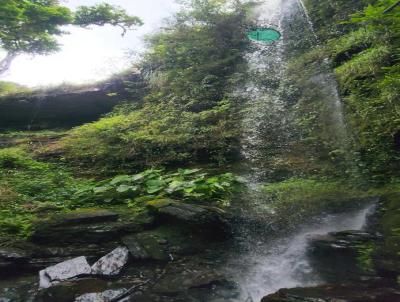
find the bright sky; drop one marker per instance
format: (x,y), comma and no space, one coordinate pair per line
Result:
(91,54)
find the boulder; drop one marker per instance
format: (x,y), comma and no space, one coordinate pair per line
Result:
(145,246)
(63,271)
(209,221)
(86,216)
(112,263)
(68,291)
(343,255)
(331,293)
(12,258)
(90,226)
(100,297)
(164,243)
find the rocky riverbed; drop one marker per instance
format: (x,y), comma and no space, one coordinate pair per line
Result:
(177,252)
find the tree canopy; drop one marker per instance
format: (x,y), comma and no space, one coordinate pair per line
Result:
(31,26)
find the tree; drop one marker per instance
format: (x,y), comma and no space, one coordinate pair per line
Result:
(31,26)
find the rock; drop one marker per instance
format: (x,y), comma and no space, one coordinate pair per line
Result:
(164,243)
(112,263)
(61,230)
(209,221)
(44,256)
(65,107)
(86,216)
(100,297)
(64,271)
(145,246)
(343,255)
(68,291)
(11,258)
(333,293)
(189,279)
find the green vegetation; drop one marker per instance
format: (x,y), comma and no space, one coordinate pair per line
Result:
(185,184)
(189,115)
(7,88)
(156,135)
(370,82)
(30,189)
(31,26)
(296,198)
(363,49)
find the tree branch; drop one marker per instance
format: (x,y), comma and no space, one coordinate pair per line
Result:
(392,7)
(6,62)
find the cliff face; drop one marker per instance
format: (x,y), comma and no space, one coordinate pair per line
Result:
(64,107)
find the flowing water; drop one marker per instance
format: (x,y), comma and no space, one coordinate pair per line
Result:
(263,265)
(283,263)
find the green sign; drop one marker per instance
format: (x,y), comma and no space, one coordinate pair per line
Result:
(264,35)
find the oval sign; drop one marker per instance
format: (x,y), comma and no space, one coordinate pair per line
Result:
(264,35)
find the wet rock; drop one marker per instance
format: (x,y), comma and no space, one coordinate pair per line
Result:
(333,293)
(44,256)
(209,221)
(12,258)
(145,246)
(76,229)
(112,263)
(164,243)
(68,291)
(186,280)
(64,271)
(343,255)
(100,297)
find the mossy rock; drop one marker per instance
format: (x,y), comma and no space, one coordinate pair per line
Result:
(88,226)
(209,221)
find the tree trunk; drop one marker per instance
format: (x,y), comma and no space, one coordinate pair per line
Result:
(6,62)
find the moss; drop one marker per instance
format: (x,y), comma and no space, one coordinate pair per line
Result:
(296,199)
(159,203)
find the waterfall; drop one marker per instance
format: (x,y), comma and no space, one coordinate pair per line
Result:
(262,266)
(283,263)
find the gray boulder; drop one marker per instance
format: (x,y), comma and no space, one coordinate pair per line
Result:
(100,297)
(112,263)
(63,271)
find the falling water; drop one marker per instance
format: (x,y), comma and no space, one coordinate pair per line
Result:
(307,16)
(283,263)
(261,265)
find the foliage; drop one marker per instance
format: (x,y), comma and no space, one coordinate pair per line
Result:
(7,88)
(370,82)
(29,189)
(156,135)
(31,26)
(296,198)
(189,115)
(102,14)
(363,47)
(329,17)
(185,184)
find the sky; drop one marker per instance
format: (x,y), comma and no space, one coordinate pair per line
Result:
(92,54)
